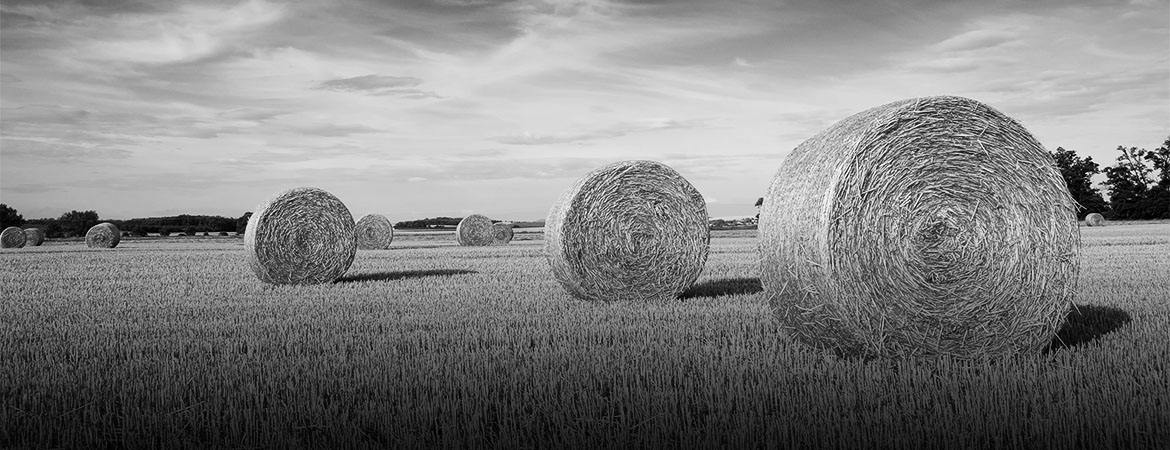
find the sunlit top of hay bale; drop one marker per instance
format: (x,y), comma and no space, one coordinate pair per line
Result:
(1094,220)
(12,237)
(502,233)
(34,237)
(374,232)
(633,230)
(300,236)
(474,230)
(103,235)
(929,226)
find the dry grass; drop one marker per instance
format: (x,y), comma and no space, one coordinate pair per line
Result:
(300,236)
(34,237)
(1094,220)
(929,226)
(103,235)
(374,232)
(502,233)
(12,237)
(475,230)
(633,230)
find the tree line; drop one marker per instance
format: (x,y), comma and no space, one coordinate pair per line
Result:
(77,223)
(1138,183)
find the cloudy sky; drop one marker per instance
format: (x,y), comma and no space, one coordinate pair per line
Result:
(418,108)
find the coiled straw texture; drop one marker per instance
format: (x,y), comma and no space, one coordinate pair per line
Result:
(474,230)
(300,236)
(34,237)
(12,237)
(502,233)
(929,226)
(633,230)
(374,232)
(1094,220)
(103,235)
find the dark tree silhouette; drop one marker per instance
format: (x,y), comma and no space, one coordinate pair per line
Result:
(9,217)
(1078,173)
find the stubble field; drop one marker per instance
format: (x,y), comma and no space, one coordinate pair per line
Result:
(174,343)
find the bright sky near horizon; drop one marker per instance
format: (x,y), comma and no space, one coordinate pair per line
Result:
(422,108)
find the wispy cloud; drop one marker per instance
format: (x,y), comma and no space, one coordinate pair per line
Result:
(977,39)
(215,102)
(613,131)
(378,85)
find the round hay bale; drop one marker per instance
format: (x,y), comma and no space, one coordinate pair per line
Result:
(502,233)
(12,237)
(300,236)
(475,229)
(929,226)
(374,232)
(1094,220)
(103,235)
(633,230)
(34,237)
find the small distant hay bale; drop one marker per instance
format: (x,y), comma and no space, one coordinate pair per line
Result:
(300,236)
(929,226)
(1094,220)
(34,237)
(374,232)
(12,237)
(502,233)
(103,235)
(629,231)
(474,230)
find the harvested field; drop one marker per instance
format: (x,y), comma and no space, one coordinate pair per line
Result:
(434,344)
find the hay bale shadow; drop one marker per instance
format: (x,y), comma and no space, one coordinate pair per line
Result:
(1086,323)
(391,276)
(727,286)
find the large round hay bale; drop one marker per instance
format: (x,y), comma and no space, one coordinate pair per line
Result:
(34,237)
(300,236)
(633,230)
(1094,220)
(12,237)
(103,235)
(475,229)
(929,226)
(502,233)
(374,232)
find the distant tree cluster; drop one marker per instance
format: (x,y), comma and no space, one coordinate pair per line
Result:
(77,223)
(1138,183)
(431,222)
(185,224)
(70,224)
(9,217)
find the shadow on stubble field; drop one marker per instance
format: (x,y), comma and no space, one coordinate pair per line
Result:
(391,276)
(726,286)
(1086,323)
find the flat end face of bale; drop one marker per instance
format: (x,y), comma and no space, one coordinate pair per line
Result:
(374,232)
(12,237)
(502,233)
(629,231)
(474,230)
(929,226)
(34,237)
(300,236)
(103,235)
(1094,220)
